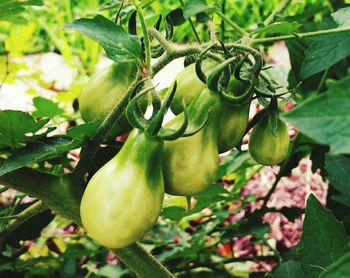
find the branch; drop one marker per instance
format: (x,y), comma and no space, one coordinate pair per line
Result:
(22,217)
(63,196)
(280,8)
(300,35)
(240,30)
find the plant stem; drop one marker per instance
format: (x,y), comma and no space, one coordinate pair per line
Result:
(300,35)
(240,30)
(222,24)
(22,217)
(145,37)
(227,261)
(88,153)
(192,25)
(324,76)
(280,8)
(63,196)
(142,262)
(267,197)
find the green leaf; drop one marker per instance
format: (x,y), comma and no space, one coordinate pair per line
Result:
(112,271)
(213,194)
(283,27)
(338,168)
(193,7)
(329,49)
(86,130)
(340,269)
(38,151)
(46,108)
(323,240)
(9,9)
(342,17)
(290,269)
(233,162)
(326,118)
(118,44)
(176,17)
(174,213)
(15,127)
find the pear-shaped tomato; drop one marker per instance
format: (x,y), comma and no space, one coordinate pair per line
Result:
(232,125)
(123,199)
(104,90)
(267,147)
(190,163)
(188,86)
(233,120)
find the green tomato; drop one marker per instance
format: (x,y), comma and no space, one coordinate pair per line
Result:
(266,147)
(188,87)
(234,119)
(232,125)
(123,199)
(104,90)
(190,163)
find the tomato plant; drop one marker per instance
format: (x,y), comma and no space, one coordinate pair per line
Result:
(250,175)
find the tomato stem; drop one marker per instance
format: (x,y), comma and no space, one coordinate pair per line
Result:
(146,39)
(300,35)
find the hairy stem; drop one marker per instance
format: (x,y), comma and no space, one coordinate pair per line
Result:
(142,262)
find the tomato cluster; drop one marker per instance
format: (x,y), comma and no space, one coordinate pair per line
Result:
(124,198)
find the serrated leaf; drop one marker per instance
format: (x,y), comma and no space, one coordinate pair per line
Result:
(324,239)
(15,127)
(118,44)
(193,7)
(38,151)
(329,49)
(340,269)
(46,108)
(338,168)
(290,269)
(326,118)
(283,27)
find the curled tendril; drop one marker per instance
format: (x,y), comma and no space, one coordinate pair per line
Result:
(239,100)
(153,126)
(216,74)
(173,134)
(133,113)
(201,75)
